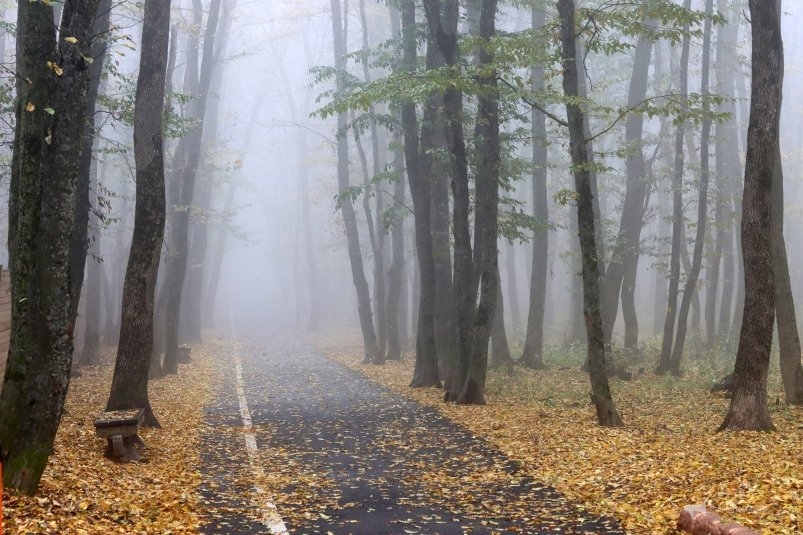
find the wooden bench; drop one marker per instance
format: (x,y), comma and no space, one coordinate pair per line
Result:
(121,430)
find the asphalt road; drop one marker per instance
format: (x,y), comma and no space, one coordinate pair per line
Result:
(353,458)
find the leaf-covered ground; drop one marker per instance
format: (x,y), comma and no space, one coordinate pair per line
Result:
(82,492)
(667,456)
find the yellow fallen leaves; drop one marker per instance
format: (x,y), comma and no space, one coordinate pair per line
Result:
(84,493)
(667,456)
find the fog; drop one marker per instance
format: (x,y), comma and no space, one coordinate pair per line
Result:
(272,167)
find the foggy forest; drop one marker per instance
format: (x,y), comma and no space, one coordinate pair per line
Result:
(401,266)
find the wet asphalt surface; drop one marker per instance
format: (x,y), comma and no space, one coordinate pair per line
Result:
(354,458)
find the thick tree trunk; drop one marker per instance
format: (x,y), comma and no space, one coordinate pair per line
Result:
(426,360)
(664,362)
(748,408)
(47,150)
(600,390)
(532,355)
(130,381)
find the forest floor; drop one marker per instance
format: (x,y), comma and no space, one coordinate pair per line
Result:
(495,470)
(666,457)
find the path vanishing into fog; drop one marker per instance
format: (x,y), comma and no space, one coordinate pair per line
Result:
(351,457)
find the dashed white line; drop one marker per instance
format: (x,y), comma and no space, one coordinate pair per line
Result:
(266,509)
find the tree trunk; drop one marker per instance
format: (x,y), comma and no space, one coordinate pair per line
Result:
(45,167)
(90,352)
(130,381)
(624,257)
(788,337)
(690,289)
(600,390)
(665,360)
(176,267)
(728,163)
(512,288)
(532,355)
(396,272)
(748,407)
(426,360)
(191,321)
(80,237)
(346,205)
(500,350)
(486,212)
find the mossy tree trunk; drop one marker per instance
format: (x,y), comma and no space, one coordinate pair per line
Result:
(53,79)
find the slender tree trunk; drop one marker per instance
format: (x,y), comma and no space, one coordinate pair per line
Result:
(702,200)
(130,381)
(396,272)
(624,257)
(80,237)
(176,268)
(748,407)
(486,210)
(512,288)
(426,360)
(378,243)
(532,355)
(728,163)
(346,205)
(90,352)
(500,349)
(788,337)
(665,360)
(45,168)
(600,390)
(191,321)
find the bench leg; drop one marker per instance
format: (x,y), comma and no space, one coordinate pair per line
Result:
(117,445)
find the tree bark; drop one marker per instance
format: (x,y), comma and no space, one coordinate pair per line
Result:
(130,381)
(600,389)
(625,253)
(665,360)
(346,205)
(788,337)
(426,361)
(748,407)
(690,289)
(500,349)
(442,19)
(486,212)
(45,168)
(532,355)
(176,267)
(80,237)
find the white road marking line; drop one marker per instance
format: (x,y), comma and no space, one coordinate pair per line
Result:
(266,509)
